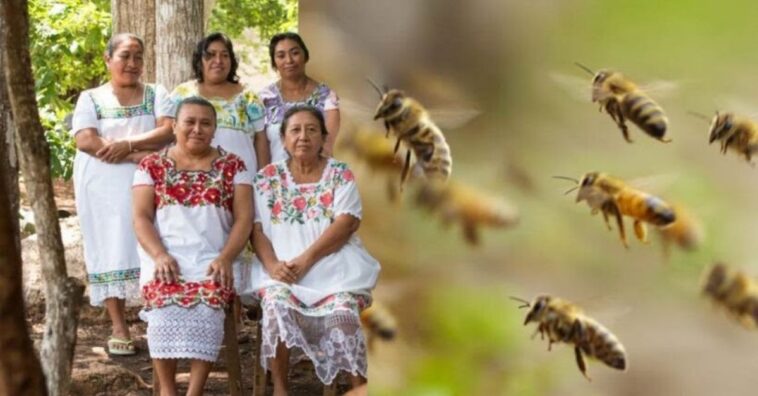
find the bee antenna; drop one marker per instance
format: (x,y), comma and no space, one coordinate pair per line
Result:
(376,87)
(521,300)
(567,178)
(585,68)
(570,190)
(700,115)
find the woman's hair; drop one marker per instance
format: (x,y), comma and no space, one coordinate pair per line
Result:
(286,36)
(195,100)
(119,38)
(202,49)
(303,108)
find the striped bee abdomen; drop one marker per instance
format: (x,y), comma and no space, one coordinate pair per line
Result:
(645,113)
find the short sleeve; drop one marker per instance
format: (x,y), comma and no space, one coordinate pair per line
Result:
(142,177)
(85,115)
(347,200)
(164,106)
(148,170)
(332,102)
(243,176)
(256,114)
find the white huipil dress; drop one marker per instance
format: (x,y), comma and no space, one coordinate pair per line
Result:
(319,315)
(237,119)
(193,217)
(103,191)
(322,98)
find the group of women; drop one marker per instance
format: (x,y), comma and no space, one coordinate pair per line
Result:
(170,188)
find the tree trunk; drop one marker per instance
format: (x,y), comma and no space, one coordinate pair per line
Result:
(63,294)
(179,26)
(138,17)
(20,370)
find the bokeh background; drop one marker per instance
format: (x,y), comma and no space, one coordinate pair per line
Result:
(509,61)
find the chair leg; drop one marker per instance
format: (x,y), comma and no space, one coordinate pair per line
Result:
(331,390)
(259,374)
(232,350)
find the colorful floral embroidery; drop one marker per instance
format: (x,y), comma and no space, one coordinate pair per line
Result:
(159,294)
(276,106)
(113,276)
(301,203)
(147,107)
(241,113)
(193,188)
(327,305)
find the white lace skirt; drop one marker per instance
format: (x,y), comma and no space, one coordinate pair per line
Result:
(328,333)
(174,332)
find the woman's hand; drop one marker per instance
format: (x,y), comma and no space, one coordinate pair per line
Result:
(166,269)
(114,152)
(282,273)
(300,266)
(221,271)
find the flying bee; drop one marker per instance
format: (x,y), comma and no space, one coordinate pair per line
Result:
(378,322)
(686,232)
(623,100)
(734,291)
(411,123)
(735,132)
(612,197)
(376,152)
(472,208)
(565,322)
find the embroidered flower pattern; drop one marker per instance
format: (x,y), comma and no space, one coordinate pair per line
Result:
(301,203)
(193,188)
(147,107)
(158,294)
(276,106)
(327,305)
(241,112)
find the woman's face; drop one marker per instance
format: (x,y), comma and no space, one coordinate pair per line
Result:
(194,128)
(217,62)
(303,137)
(125,65)
(289,58)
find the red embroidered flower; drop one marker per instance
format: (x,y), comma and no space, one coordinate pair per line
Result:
(201,178)
(211,286)
(186,301)
(326,198)
(156,171)
(212,195)
(299,203)
(196,199)
(178,192)
(213,301)
(277,208)
(269,171)
(347,175)
(197,186)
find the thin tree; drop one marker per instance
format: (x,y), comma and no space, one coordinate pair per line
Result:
(63,294)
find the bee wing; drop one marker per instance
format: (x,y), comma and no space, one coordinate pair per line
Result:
(448,119)
(355,111)
(737,106)
(654,184)
(577,88)
(661,88)
(605,309)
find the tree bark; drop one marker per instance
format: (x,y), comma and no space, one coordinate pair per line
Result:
(20,370)
(138,17)
(179,26)
(63,294)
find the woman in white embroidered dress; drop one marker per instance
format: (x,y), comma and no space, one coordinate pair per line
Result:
(240,113)
(289,55)
(192,214)
(312,274)
(114,126)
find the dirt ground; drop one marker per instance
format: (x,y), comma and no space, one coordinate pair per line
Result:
(97,373)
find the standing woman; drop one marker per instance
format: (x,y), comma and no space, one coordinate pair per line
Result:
(288,57)
(240,113)
(115,125)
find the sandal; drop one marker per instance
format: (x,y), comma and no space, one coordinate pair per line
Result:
(121,346)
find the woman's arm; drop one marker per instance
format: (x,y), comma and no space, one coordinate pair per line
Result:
(89,141)
(276,268)
(119,150)
(221,268)
(262,149)
(143,211)
(332,240)
(332,119)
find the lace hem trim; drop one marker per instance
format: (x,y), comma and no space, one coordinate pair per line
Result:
(125,289)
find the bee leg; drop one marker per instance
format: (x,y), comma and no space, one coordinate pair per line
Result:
(470,233)
(387,128)
(406,168)
(611,207)
(607,223)
(641,231)
(580,363)
(397,146)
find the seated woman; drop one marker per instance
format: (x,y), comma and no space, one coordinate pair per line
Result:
(289,55)
(240,113)
(312,274)
(192,217)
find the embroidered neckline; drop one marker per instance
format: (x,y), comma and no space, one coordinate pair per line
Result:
(212,169)
(291,179)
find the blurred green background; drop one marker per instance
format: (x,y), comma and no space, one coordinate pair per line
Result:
(459,332)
